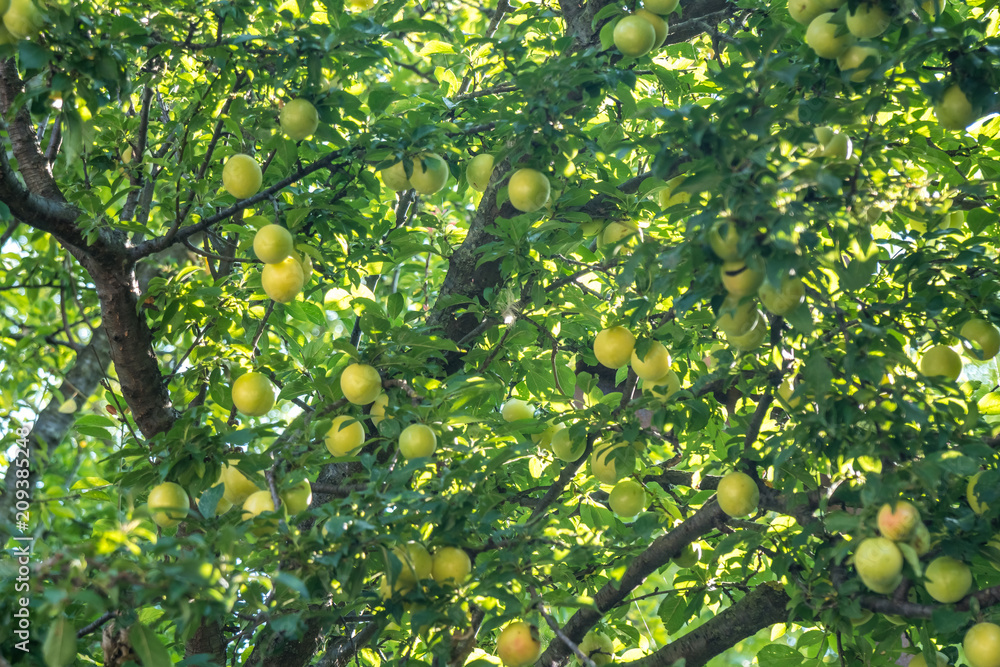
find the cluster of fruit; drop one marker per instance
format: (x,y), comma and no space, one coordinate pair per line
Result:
(639,33)
(362,385)
(743,323)
(879,563)
(828,38)
(241,175)
(168,503)
(528,189)
(981,341)
(449,566)
(284,274)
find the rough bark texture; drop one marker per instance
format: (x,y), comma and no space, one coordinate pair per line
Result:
(762,607)
(465,278)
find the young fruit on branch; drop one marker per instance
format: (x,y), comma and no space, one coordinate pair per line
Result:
(168,504)
(519,645)
(299,119)
(360,383)
(613,347)
(345,437)
(738,494)
(898,522)
(283,281)
(241,176)
(417,441)
(528,190)
(627,499)
(253,394)
(879,563)
(273,244)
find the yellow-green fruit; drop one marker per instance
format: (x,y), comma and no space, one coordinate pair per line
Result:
(737,316)
(515,410)
(634,36)
(257,504)
(739,279)
(783,299)
(417,441)
(724,239)
(613,347)
(544,439)
(688,557)
(608,467)
(615,232)
(430,173)
(804,11)
(479,171)
(941,361)
(948,580)
(982,339)
(660,26)
(299,119)
(822,37)
(345,437)
(22,19)
(752,339)
(879,563)
(665,388)
(854,58)
(970,495)
(598,647)
(273,244)
(253,394)
(126,154)
(627,499)
(839,147)
(451,566)
(395,178)
(898,522)
(415,561)
(661,7)
(168,504)
(982,645)
(668,195)
(654,366)
(565,448)
(941,660)
(241,176)
(360,383)
(921,540)
(283,281)
(377,411)
(738,494)
(528,190)
(236,486)
(518,645)
(298,498)
(953,110)
(868,21)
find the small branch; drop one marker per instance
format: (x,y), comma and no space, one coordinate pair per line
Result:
(90,627)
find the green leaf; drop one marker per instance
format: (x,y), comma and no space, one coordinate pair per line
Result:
(60,643)
(148,647)
(778,655)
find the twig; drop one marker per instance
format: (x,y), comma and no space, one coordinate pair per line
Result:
(90,627)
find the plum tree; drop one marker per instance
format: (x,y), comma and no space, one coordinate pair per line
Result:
(147,149)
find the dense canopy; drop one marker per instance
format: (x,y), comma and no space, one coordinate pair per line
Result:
(440,333)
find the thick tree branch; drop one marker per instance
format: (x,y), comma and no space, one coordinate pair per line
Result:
(762,607)
(611,594)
